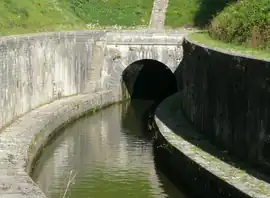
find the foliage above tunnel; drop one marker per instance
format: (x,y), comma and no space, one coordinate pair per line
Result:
(244,22)
(193,12)
(111,12)
(27,16)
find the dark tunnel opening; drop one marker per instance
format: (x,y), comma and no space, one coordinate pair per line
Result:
(149,79)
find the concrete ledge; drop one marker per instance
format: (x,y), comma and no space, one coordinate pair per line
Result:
(133,38)
(22,141)
(210,175)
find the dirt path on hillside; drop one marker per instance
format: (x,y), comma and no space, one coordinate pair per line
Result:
(158,15)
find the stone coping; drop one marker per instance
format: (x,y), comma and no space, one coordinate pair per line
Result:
(124,36)
(180,134)
(24,139)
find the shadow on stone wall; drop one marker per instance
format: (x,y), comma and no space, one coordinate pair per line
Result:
(181,166)
(149,80)
(227,98)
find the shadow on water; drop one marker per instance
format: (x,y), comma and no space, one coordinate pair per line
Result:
(112,150)
(171,190)
(136,121)
(110,155)
(185,173)
(135,117)
(173,165)
(148,82)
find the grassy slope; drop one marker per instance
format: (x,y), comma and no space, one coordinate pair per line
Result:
(35,15)
(245,22)
(228,24)
(204,38)
(181,12)
(27,16)
(193,12)
(111,12)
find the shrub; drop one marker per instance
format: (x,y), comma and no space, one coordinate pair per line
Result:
(244,22)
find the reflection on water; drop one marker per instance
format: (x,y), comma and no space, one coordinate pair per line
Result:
(110,156)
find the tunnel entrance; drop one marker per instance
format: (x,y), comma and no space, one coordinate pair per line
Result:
(149,79)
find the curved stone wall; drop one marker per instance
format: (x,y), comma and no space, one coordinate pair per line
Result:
(192,162)
(227,97)
(23,140)
(38,69)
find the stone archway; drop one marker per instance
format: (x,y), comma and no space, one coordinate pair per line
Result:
(149,79)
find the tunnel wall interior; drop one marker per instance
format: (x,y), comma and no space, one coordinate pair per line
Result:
(227,97)
(149,80)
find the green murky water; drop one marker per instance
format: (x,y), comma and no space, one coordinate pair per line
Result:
(110,156)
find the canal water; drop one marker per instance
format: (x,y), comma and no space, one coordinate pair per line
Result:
(108,155)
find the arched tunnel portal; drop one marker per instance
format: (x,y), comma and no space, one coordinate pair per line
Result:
(149,79)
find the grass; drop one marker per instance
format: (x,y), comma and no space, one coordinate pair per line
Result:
(242,26)
(244,22)
(26,16)
(197,13)
(181,12)
(111,12)
(30,16)
(204,38)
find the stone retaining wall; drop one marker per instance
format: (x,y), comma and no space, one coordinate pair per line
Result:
(21,142)
(227,97)
(40,68)
(80,68)
(191,161)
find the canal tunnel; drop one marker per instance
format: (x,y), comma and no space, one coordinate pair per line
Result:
(149,79)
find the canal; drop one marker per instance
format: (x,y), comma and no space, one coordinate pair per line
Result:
(108,154)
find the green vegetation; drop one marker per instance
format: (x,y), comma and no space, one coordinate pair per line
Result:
(27,16)
(36,15)
(204,38)
(181,12)
(246,22)
(111,12)
(197,13)
(103,184)
(239,25)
